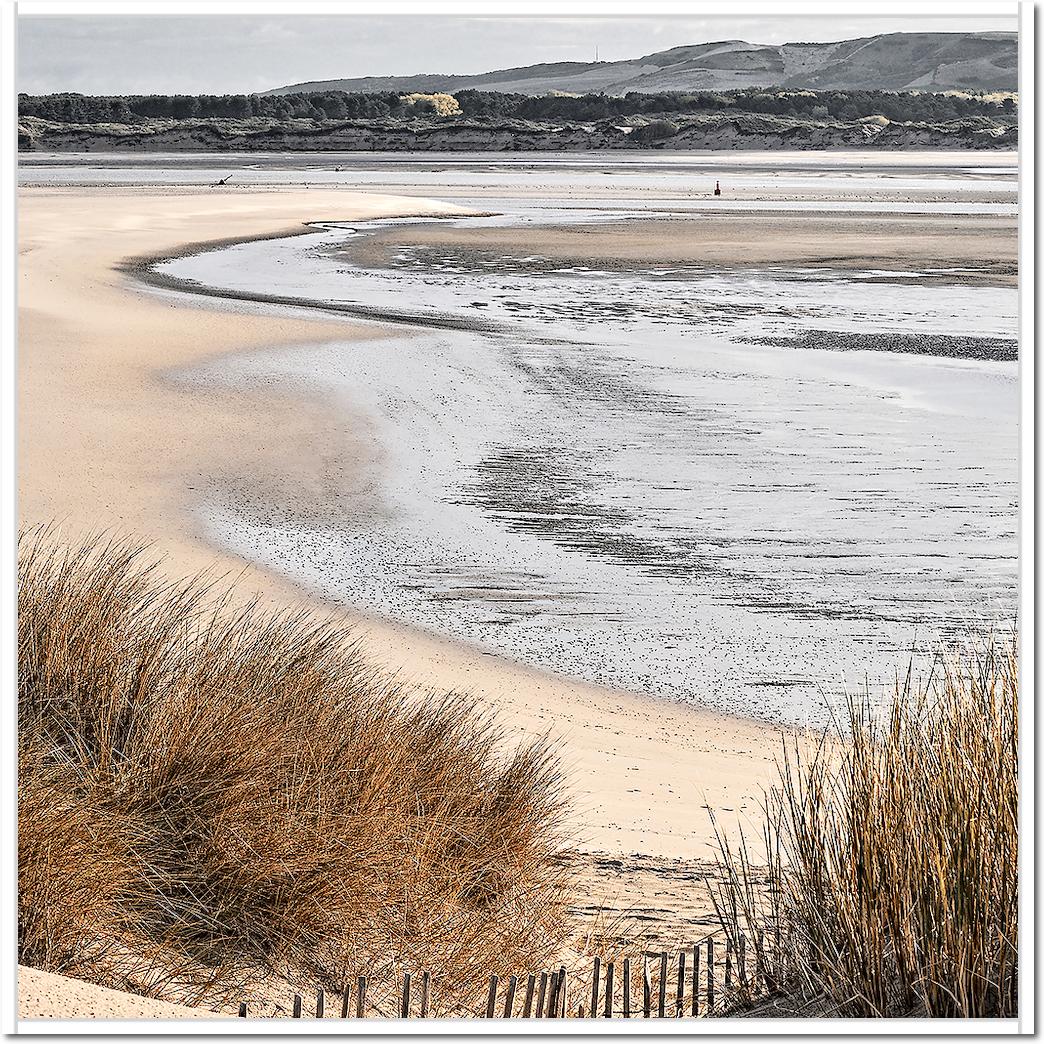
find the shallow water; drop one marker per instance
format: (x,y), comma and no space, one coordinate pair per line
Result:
(597,472)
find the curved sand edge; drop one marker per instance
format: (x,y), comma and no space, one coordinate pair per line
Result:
(107,440)
(44,995)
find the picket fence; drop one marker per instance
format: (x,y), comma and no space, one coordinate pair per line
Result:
(683,985)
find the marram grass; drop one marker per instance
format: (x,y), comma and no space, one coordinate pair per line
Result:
(891,886)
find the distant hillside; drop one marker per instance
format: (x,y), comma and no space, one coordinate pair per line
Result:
(895,61)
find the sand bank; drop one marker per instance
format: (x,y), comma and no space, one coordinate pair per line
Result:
(967,248)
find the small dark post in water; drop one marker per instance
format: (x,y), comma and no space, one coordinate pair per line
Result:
(425,994)
(696,980)
(360,998)
(404,1011)
(527,1008)
(710,976)
(646,988)
(297,1005)
(609,990)
(346,1000)
(509,1000)
(680,999)
(491,1000)
(717,188)
(540,995)
(627,988)
(594,987)
(320,1004)
(663,986)
(242,1009)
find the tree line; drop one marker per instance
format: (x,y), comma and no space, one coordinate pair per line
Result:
(341,105)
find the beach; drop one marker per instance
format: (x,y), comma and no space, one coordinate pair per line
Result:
(114,440)
(106,443)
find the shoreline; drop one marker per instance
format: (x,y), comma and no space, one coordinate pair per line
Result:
(619,748)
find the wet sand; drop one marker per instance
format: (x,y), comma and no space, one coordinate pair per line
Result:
(975,249)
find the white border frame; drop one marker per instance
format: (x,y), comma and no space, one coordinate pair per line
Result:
(1026,1024)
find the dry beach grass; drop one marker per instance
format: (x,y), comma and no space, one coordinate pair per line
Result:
(892,880)
(209,791)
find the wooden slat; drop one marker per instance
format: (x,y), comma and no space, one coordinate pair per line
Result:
(595,983)
(346,998)
(297,1005)
(540,995)
(563,994)
(552,996)
(491,999)
(662,1006)
(242,1009)
(527,1007)
(679,1000)
(509,1000)
(627,988)
(646,989)
(696,980)
(710,976)
(425,994)
(360,998)
(320,1004)
(741,960)
(609,990)
(728,966)
(404,1007)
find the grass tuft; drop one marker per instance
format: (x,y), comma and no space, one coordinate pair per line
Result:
(891,884)
(211,792)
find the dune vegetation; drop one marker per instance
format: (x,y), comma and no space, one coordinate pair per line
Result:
(891,885)
(212,793)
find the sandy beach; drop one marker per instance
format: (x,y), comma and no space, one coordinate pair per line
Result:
(107,443)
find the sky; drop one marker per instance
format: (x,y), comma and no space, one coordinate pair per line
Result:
(222,54)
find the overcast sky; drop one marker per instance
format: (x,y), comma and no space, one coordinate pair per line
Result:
(219,54)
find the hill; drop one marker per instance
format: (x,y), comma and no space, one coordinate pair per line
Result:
(893,61)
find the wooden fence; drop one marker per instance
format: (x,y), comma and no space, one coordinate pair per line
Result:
(696,982)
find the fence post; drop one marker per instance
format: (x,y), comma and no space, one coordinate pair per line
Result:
(509,1000)
(662,1009)
(680,999)
(728,965)
(320,1004)
(491,1000)
(242,1009)
(552,996)
(695,980)
(741,961)
(346,999)
(540,996)
(563,992)
(405,1010)
(646,988)
(297,1005)
(609,990)
(527,1009)
(425,994)
(594,986)
(360,998)
(710,976)
(627,988)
